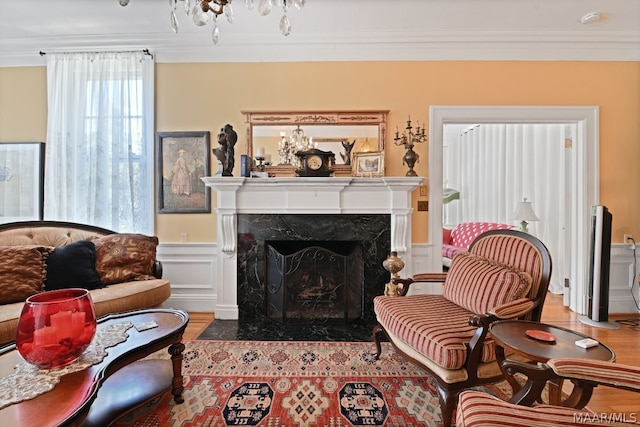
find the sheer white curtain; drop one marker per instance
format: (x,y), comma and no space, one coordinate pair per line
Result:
(100,137)
(495,166)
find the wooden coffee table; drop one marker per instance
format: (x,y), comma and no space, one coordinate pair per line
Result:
(512,335)
(101,393)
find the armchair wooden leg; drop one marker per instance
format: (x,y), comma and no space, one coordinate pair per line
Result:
(448,401)
(377,330)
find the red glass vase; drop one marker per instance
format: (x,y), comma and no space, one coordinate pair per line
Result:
(55,327)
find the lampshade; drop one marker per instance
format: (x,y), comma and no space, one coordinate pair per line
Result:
(525,212)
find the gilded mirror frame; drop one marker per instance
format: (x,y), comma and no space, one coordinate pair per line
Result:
(322,118)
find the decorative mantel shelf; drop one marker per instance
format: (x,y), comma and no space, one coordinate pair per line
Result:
(301,196)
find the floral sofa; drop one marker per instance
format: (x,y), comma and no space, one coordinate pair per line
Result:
(459,238)
(120,270)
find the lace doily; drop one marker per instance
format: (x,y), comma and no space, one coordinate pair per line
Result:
(29,381)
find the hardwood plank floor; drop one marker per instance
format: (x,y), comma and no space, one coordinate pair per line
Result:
(625,342)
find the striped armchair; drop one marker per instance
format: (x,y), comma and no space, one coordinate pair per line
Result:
(478,409)
(505,275)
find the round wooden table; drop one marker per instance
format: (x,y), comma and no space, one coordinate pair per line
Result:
(515,336)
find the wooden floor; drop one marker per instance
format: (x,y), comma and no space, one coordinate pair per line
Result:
(625,342)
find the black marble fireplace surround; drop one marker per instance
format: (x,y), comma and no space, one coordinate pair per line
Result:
(374,231)
(371,231)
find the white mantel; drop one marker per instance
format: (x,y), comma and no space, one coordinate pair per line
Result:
(297,195)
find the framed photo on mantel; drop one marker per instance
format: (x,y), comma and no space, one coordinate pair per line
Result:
(182,159)
(21,181)
(368,164)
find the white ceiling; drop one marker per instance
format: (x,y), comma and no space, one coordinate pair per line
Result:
(329,30)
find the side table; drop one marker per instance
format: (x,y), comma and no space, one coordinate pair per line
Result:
(104,391)
(512,335)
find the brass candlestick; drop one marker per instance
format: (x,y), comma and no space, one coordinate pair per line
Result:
(409,139)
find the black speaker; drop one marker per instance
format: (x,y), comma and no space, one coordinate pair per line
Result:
(599,266)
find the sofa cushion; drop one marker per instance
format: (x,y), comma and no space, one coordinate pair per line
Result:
(22,272)
(449,251)
(465,233)
(125,257)
(433,326)
(446,236)
(480,285)
(73,266)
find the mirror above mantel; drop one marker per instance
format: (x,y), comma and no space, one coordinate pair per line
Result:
(268,130)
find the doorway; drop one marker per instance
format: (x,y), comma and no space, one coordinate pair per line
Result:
(582,178)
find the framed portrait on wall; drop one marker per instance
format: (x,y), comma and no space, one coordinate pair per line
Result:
(182,159)
(21,181)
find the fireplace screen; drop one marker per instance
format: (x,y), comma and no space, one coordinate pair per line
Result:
(314,280)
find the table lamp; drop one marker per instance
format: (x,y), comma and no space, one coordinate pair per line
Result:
(525,214)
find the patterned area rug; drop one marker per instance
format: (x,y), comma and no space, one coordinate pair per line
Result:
(285,384)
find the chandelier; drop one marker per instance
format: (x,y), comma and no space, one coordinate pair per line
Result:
(203,11)
(298,141)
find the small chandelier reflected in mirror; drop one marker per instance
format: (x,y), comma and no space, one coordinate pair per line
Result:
(199,10)
(298,141)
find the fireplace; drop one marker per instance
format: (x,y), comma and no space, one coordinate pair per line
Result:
(314,280)
(376,212)
(343,253)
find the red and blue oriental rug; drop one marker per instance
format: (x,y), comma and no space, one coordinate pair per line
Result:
(305,384)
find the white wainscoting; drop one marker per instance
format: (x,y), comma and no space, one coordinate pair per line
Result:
(190,267)
(621,278)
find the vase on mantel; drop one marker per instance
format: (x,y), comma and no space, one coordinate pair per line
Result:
(56,327)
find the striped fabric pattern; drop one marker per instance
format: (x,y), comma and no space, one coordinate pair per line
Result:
(513,309)
(513,251)
(480,285)
(477,409)
(433,326)
(613,374)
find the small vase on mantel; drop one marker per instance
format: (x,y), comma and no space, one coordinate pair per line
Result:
(393,264)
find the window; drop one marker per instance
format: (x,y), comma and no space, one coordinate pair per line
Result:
(99,160)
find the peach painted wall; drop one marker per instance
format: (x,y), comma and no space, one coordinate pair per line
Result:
(206,96)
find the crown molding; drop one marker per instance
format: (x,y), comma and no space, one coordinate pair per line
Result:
(397,46)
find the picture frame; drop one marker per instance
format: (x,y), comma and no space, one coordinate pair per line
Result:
(368,164)
(21,181)
(182,159)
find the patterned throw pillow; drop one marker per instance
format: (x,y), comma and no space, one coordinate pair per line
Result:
(480,285)
(125,257)
(22,272)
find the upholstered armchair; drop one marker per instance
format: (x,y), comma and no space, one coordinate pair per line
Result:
(505,275)
(478,409)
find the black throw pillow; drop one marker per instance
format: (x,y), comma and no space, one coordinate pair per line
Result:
(73,266)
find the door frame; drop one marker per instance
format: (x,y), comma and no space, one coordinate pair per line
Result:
(584,191)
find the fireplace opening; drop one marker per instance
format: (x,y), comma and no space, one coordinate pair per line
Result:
(314,280)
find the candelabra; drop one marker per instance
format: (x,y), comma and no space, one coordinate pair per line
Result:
(409,139)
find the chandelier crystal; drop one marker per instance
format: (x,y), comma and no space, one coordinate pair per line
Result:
(298,141)
(201,11)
